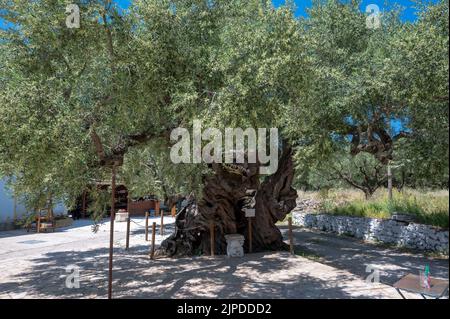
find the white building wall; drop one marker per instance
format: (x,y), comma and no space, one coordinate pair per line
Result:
(7,205)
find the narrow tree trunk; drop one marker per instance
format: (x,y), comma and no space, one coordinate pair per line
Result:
(111,231)
(389,180)
(389,171)
(83,205)
(15,206)
(227,192)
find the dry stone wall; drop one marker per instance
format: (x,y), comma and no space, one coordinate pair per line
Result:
(409,235)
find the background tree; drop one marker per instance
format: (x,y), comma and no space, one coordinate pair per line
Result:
(365,89)
(420,51)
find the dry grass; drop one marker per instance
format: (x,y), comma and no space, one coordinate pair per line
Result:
(429,207)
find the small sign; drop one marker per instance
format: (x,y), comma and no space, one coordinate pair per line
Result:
(249,212)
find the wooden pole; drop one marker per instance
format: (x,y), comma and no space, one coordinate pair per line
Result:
(250,235)
(111,230)
(174,211)
(15,206)
(152,251)
(162,223)
(291,237)
(146,226)
(127,243)
(157,208)
(211,234)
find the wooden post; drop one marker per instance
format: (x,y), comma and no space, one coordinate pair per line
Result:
(127,243)
(111,230)
(156,208)
(152,251)
(162,223)
(212,237)
(250,235)
(291,237)
(15,206)
(174,211)
(146,226)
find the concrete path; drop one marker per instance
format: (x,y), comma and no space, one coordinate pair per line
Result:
(39,265)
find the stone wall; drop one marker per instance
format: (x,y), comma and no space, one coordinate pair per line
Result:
(409,235)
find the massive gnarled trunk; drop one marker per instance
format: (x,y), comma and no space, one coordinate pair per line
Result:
(227,192)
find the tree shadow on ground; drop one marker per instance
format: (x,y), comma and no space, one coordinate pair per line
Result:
(262,275)
(355,255)
(79,223)
(168,229)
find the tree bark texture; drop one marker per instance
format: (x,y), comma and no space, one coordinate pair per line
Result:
(230,190)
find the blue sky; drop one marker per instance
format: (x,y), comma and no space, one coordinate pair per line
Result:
(409,12)
(302,5)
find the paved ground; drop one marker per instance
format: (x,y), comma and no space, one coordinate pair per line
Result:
(35,266)
(353,255)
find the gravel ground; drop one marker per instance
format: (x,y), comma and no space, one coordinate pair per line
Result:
(39,265)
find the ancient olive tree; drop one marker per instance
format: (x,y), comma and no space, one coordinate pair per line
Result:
(77,102)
